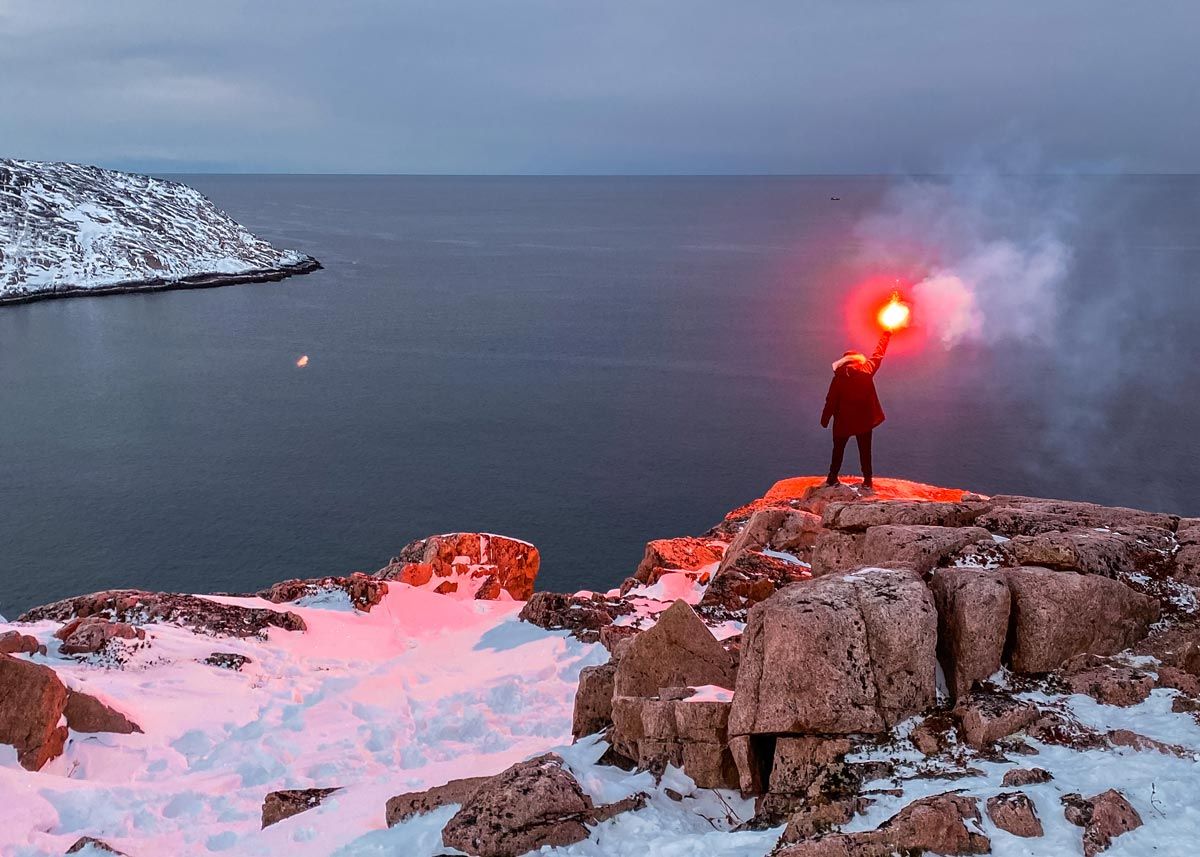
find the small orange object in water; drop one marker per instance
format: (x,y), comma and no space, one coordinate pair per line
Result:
(894,314)
(303,361)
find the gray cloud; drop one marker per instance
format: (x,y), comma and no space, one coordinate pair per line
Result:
(565,86)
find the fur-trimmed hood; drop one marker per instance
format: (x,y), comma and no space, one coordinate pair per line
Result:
(848,358)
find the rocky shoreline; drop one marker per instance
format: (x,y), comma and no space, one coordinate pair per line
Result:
(823,674)
(161,284)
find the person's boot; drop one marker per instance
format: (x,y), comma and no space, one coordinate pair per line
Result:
(867,487)
(831,481)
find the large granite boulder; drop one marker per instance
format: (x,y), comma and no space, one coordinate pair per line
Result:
(1060,614)
(681,554)
(973,607)
(530,805)
(479,563)
(679,651)
(838,655)
(32,700)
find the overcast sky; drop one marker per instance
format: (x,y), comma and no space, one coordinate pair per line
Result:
(566,86)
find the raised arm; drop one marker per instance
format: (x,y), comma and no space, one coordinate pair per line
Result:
(880,350)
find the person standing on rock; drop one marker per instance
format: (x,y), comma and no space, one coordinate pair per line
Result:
(853,405)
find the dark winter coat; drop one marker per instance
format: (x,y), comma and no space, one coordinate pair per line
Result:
(852,402)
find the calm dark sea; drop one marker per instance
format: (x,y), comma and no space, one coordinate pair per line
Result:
(586,363)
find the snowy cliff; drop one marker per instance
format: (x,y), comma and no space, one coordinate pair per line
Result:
(68,229)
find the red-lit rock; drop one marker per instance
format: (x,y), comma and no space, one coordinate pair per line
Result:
(1103,818)
(680,554)
(465,557)
(1015,812)
(973,609)
(32,700)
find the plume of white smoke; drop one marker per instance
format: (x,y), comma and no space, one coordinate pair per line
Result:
(988,254)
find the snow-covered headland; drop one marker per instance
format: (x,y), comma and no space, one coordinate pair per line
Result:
(69,229)
(822,674)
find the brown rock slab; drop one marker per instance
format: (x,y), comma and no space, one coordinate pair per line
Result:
(1103,818)
(1093,552)
(16,643)
(584,616)
(835,552)
(973,610)
(405,806)
(837,655)
(808,765)
(1015,812)
(1012,515)
(936,824)
(85,713)
(530,805)
(32,700)
(1060,614)
(1106,681)
(593,700)
(90,634)
(920,548)
(1026,777)
(984,718)
(284,804)
(749,577)
(1136,741)
(857,517)
(679,651)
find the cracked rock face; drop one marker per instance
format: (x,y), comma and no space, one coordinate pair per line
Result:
(838,655)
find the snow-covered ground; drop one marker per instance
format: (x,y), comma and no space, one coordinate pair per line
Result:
(68,227)
(423,689)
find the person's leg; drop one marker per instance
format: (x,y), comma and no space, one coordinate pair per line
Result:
(835,465)
(864,456)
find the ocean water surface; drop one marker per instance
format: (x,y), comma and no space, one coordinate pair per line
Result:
(586,363)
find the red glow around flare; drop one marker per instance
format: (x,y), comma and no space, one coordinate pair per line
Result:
(869,311)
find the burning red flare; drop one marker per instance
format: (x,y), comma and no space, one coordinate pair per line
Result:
(895,314)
